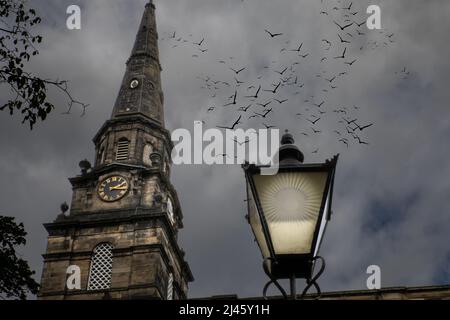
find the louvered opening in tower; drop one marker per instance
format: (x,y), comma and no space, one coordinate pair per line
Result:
(123,148)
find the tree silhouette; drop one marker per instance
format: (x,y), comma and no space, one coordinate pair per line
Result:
(15,274)
(28,92)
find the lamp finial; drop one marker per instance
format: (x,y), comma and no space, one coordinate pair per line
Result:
(287,138)
(289,153)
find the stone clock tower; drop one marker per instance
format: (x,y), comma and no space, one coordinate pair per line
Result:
(120,234)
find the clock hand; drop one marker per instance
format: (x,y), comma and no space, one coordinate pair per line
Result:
(118,187)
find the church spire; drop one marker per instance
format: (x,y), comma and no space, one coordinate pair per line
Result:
(124,206)
(141,93)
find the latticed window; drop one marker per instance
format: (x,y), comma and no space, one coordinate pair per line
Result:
(101,267)
(123,148)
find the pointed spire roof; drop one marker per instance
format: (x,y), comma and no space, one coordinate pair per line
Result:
(146,42)
(140,93)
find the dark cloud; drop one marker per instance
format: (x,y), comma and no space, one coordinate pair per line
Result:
(390,207)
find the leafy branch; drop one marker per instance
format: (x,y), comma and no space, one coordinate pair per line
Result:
(15,274)
(17,47)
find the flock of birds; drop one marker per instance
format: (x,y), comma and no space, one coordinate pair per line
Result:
(255,99)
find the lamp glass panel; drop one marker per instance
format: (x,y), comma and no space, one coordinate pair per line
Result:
(291,204)
(323,225)
(255,223)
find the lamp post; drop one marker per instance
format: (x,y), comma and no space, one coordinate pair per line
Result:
(288,213)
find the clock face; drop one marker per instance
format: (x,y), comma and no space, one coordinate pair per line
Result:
(134,83)
(113,188)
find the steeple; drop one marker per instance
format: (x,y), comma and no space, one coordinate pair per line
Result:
(121,228)
(141,93)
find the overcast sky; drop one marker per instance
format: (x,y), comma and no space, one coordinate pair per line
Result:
(391,196)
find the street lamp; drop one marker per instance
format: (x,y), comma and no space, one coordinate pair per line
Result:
(288,213)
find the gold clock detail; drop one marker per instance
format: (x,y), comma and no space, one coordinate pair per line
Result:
(134,84)
(113,188)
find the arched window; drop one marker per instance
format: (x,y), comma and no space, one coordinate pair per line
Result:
(170,210)
(101,155)
(123,148)
(170,287)
(148,150)
(101,267)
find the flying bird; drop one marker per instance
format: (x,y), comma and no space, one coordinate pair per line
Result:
(344,141)
(273,35)
(360,141)
(282,71)
(280,101)
(275,89)
(343,55)
(265,104)
(361,128)
(238,82)
(299,48)
(343,27)
(238,71)
(247,140)
(238,121)
(265,113)
(349,7)
(200,43)
(313,121)
(342,40)
(256,94)
(244,109)
(359,24)
(268,126)
(319,105)
(234,100)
